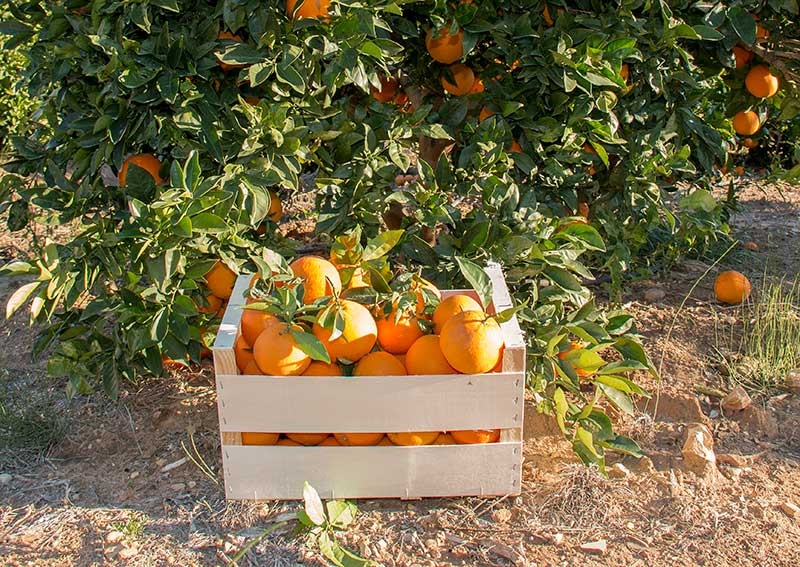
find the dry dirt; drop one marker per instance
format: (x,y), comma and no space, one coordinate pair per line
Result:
(100,497)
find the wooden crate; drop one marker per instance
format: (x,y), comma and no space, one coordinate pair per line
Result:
(316,404)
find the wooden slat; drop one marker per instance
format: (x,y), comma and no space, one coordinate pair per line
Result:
(370,403)
(262,473)
(224,359)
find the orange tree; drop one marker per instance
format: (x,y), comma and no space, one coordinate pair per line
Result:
(551,145)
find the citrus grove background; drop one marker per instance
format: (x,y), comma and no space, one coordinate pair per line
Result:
(572,142)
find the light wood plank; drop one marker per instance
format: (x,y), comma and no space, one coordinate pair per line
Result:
(370,403)
(265,473)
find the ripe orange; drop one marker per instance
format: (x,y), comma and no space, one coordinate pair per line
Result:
(742,56)
(425,357)
(253,322)
(379,363)
(477,87)
(148,162)
(275,207)
(450,306)
(214,305)
(319,368)
(583,209)
(251,369)
(320,277)
(472,342)
(385,442)
(485,113)
(760,82)
(277,353)
(419,286)
(746,122)
(444,439)
(358,439)
(397,333)
(575,345)
(330,441)
(288,442)
(472,437)
(445,47)
(309,9)
(749,143)
(358,336)
(761,32)
(464,80)
(413,437)
(624,72)
(548,19)
(233,37)
(515,147)
(731,287)
(308,439)
(220,279)
(389,86)
(258,438)
(242,352)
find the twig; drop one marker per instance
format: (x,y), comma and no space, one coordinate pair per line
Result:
(241,553)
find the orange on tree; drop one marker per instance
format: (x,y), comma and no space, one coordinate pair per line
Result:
(485,113)
(742,56)
(388,90)
(749,143)
(258,438)
(148,162)
(253,322)
(478,86)
(214,304)
(445,47)
(226,35)
(746,122)
(476,436)
(425,356)
(308,439)
(472,342)
(624,72)
(277,354)
(515,147)
(731,287)
(398,331)
(317,9)
(358,439)
(410,438)
(548,19)
(761,82)
(452,305)
(358,335)
(573,346)
(320,277)
(220,279)
(319,368)
(275,207)
(379,363)
(463,80)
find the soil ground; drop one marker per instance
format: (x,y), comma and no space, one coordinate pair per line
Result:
(105,494)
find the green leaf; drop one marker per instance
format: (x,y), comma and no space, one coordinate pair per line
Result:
(340,513)
(18,268)
(435,131)
(743,24)
(561,406)
(586,233)
(585,359)
(19,297)
(208,222)
(380,245)
(509,313)
(310,345)
(312,504)
(477,278)
(623,444)
(562,278)
(619,399)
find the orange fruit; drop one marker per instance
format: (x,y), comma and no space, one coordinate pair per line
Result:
(464,80)
(515,147)
(413,437)
(583,209)
(739,170)
(397,333)
(330,441)
(358,336)
(749,143)
(624,72)
(548,19)
(445,47)
(275,207)
(761,32)
(251,369)
(379,363)
(485,113)
(220,279)
(388,90)
(320,277)
(277,353)
(385,441)
(258,438)
(746,122)
(450,306)
(148,162)
(308,439)
(419,287)
(444,439)
(472,342)
(358,439)
(319,368)
(233,37)
(242,352)
(760,82)
(425,357)
(471,437)
(309,9)
(253,322)
(477,87)
(288,443)
(731,287)
(742,56)
(214,305)
(575,345)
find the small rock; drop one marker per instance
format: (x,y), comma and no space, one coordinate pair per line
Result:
(558,539)
(597,547)
(177,487)
(127,553)
(654,294)
(790,509)
(114,536)
(5,478)
(792,381)
(134,474)
(382,545)
(501,515)
(739,461)
(731,473)
(736,400)
(698,450)
(619,470)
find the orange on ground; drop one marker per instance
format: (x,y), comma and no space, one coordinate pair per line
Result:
(575,345)
(319,368)
(220,279)
(214,305)
(746,122)
(308,439)
(425,357)
(148,162)
(445,47)
(277,353)
(450,306)
(389,86)
(444,439)
(320,277)
(358,336)
(358,439)
(485,113)
(731,287)
(257,438)
(253,322)
(309,9)
(288,443)
(472,342)
(742,56)
(760,82)
(464,80)
(242,352)
(397,333)
(233,37)
(275,207)
(379,363)
(471,437)
(413,437)
(330,441)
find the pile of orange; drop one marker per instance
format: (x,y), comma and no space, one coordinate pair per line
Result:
(410,332)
